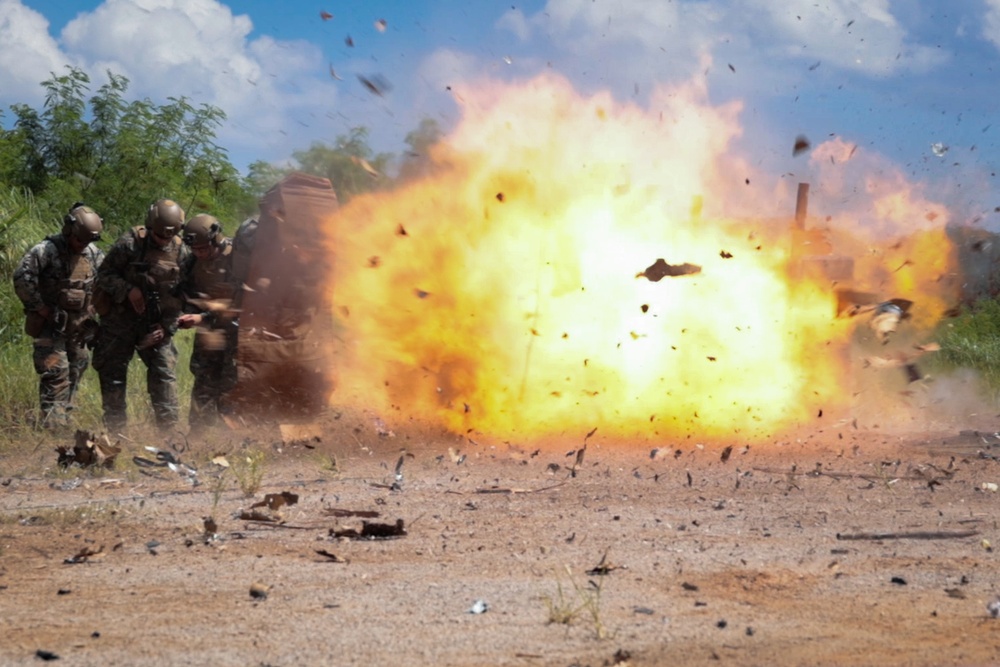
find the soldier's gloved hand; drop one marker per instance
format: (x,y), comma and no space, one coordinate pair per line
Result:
(136,299)
(189,320)
(153,338)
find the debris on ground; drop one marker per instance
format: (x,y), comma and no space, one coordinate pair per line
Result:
(604,567)
(330,557)
(167,459)
(85,555)
(305,435)
(371,530)
(274,501)
(89,450)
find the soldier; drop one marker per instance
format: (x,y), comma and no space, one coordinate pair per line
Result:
(55,282)
(209,289)
(139,304)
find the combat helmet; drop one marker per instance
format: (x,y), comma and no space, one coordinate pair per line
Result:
(165,218)
(202,230)
(83,224)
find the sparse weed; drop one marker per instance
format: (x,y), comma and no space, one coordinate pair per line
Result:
(249,471)
(64,517)
(328,463)
(218,488)
(585,602)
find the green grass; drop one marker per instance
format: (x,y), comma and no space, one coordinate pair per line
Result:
(972,340)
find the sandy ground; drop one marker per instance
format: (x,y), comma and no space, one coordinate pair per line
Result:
(681,556)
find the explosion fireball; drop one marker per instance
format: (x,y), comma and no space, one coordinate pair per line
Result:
(504,293)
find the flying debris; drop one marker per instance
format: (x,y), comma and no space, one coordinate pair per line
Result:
(334,74)
(801,145)
(363,163)
(508,60)
(326,16)
(939,149)
(349,41)
(376,85)
(887,316)
(381,25)
(660,269)
(814,66)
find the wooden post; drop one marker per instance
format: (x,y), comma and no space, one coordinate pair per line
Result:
(802,206)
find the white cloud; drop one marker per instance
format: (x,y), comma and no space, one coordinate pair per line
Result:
(514,21)
(668,39)
(28,54)
(991,22)
(859,35)
(277,94)
(274,92)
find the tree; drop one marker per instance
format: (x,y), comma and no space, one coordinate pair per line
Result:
(350,164)
(417,161)
(118,156)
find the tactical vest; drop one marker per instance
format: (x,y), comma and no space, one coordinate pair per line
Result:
(69,282)
(157,270)
(212,278)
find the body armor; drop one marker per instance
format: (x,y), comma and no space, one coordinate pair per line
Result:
(211,278)
(157,273)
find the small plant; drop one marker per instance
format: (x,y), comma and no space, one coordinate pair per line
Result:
(328,463)
(218,488)
(249,471)
(585,602)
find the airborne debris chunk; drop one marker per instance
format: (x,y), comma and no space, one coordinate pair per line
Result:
(376,84)
(993,607)
(660,269)
(887,317)
(801,145)
(259,591)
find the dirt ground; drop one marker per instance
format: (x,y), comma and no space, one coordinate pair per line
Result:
(842,546)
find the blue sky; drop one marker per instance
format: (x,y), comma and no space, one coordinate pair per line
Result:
(892,77)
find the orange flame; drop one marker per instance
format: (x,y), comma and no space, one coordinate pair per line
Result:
(503,293)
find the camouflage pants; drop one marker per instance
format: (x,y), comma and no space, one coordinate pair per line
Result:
(116,346)
(60,363)
(214,374)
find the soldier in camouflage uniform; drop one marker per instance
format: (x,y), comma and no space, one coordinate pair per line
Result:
(208,289)
(139,303)
(55,282)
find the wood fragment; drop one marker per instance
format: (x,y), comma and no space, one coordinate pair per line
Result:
(911,535)
(512,491)
(838,475)
(364,514)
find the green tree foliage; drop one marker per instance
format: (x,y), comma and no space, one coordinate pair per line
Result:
(350,165)
(118,155)
(417,163)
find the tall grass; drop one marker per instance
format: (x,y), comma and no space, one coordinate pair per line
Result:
(21,227)
(972,340)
